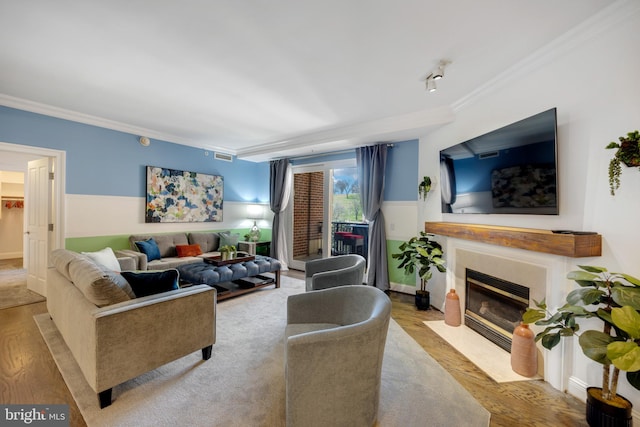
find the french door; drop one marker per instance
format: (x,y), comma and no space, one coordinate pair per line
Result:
(322,195)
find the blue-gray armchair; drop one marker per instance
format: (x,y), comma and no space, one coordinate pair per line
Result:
(334,348)
(334,271)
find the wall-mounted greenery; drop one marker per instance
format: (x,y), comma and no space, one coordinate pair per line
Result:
(628,153)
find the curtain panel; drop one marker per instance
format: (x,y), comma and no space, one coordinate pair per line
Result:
(371,162)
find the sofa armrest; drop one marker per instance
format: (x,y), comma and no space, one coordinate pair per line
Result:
(127,263)
(166,327)
(139,258)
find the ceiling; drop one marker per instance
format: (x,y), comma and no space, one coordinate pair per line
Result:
(263,79)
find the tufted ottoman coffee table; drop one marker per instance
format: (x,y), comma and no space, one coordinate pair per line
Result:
(233,277)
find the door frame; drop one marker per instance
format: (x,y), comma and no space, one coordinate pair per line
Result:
(326,168)
(59,166)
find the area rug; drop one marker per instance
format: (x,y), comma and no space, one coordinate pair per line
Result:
(489,357)
(14,296)
(243,382)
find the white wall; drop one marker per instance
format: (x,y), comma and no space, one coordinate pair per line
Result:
(592,77)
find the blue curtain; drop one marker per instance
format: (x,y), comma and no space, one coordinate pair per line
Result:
(277,180)
(371,162)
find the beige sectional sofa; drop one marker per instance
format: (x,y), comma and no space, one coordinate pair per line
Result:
(114,336)
(209,243)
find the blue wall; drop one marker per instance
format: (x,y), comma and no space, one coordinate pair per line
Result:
(401,174)
(112,163)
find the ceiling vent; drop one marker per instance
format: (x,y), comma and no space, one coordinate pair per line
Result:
(223,156)
(488,155)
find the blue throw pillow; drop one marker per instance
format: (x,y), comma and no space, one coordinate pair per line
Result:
(152,282)
(149,248)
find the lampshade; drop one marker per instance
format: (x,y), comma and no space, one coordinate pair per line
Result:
(255,212)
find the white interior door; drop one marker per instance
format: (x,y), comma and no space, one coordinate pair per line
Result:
(38,207)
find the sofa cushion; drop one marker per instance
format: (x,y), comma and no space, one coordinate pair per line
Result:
(152,282)
(149,248)
(209,242)
(188,250)
(61,258)
(104,257)
(98,284)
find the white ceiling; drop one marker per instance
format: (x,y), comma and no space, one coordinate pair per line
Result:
(266,78)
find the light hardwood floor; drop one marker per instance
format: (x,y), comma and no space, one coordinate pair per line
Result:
(28,374)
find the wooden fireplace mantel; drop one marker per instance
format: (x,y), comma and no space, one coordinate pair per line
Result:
(532,239)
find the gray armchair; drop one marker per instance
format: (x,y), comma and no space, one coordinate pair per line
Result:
(335,341)
(335,271)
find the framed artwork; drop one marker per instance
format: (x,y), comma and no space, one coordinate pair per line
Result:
(182,196)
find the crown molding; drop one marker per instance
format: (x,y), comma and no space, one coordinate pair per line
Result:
(389,129)
(75,116)
(610,16)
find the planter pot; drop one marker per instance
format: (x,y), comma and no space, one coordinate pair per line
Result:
(423,301)
(605,414)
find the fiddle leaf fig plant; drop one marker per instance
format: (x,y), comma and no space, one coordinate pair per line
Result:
(628,153)
(614,298)
(421,253)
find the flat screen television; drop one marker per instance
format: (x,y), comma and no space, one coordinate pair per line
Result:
(511,170)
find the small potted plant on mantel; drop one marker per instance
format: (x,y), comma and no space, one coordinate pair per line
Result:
(421,253)
(614,298)
(628,153)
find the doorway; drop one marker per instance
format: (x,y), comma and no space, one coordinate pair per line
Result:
(16,158)
(322,195)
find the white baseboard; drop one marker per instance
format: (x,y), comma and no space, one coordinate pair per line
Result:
(405,289)
(10,255)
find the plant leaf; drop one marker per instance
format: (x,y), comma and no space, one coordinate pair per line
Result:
(626,295)
(532,315)
(586,296)
(625,355)
(550,340)
(594,345)
(627,319)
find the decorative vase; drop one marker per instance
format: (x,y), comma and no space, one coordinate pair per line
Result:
(524,355)
(452,309)
(423,301)
(602,413)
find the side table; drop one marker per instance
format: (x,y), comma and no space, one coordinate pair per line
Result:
(258,248)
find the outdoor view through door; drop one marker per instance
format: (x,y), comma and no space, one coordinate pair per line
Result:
(347,233)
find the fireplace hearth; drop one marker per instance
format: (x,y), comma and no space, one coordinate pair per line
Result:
(494,306)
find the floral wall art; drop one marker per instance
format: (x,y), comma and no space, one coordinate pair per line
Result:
(182,196)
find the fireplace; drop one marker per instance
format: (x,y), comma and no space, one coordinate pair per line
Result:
(493,306)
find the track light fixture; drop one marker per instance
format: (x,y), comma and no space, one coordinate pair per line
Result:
(436,75)
(431,84)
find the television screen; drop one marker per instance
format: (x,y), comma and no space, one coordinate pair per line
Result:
(511,170)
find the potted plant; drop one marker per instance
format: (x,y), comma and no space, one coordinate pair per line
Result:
(628,153)
(424,187)
(614,298)
(227,251)
(421,253)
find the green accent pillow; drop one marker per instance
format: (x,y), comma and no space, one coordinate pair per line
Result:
(152,282)
(228,239)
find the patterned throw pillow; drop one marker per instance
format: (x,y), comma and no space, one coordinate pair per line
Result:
(146,283)
(149,248)
(188,250)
